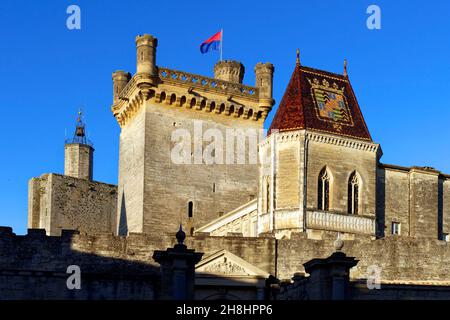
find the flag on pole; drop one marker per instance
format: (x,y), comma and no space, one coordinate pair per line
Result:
(213,43)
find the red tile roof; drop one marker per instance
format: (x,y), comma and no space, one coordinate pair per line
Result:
(321,101)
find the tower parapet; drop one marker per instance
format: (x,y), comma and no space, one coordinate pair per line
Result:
(120,79)
(264,82)
(146,54)
(224,94)
(228,70)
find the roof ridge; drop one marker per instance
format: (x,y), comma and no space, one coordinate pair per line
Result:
(294,81)
(337,75)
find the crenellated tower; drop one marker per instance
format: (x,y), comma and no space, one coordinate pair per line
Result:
(232,71)
(264,83)
(157,109)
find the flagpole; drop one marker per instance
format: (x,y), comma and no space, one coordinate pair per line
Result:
(221,40)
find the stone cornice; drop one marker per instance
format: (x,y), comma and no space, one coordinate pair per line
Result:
(342,141)
(190,91)
(290,136)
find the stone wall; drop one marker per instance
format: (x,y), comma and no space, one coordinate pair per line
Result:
(417,198)
(400,258)
(155,192)
(445,203)
(341,161)
(78,160)
(35,267)
(359,291)
(392,200)
(424,203)
(130,209)
(38,259)
(59,202)
(112,267)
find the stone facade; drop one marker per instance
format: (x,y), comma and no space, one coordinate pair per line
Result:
(416,198)
(319,177)
(157,103)
(57,202)
(115,267)
(288,180)
(79,161)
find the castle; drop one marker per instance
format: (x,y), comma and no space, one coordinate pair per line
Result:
(319,176)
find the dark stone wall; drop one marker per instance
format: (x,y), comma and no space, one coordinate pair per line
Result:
(113,267)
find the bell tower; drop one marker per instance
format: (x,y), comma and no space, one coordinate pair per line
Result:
(79,153)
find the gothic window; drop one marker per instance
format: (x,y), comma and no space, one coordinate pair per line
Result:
(353,193)
(323,190)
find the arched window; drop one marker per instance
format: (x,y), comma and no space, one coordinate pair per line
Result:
(353,193)
(323,194)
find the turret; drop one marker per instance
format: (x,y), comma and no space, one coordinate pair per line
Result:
(120,79)
(264,82)
(146,55)
(228,70)
(79,154)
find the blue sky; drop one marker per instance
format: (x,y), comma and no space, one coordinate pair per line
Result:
(400,73)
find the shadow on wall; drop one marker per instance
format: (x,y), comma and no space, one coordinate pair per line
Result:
(35,266)
(123,224)
(441,209)
(381,204)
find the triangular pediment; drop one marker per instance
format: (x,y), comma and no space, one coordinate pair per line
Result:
(224,262)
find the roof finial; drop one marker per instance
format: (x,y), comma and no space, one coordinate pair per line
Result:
(298,56)
(180,235)
(345,67)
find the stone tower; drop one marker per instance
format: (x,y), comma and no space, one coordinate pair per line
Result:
(79,154)
(320,164)
(73,200)
(159,109)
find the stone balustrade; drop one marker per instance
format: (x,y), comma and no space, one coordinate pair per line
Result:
(264,222)
(197,81)
(287,219)
(340,222)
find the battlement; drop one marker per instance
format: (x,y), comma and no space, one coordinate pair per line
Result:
(223,95)
(396,256)
(228,70)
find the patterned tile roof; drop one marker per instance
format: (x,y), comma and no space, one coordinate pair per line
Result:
(322,101)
